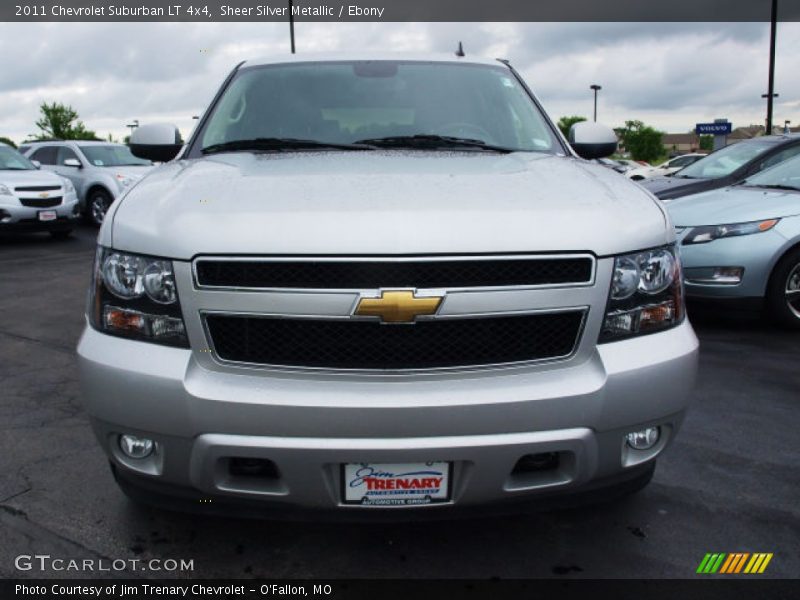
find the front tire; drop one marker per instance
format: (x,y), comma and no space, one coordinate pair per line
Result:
(97,206)
(783,291)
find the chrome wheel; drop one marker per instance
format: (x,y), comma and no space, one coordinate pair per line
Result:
(98,207)
(792,291)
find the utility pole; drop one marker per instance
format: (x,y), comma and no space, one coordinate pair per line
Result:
(771,95)
(596,89)
(291,23)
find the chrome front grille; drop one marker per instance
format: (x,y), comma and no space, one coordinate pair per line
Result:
(298,312)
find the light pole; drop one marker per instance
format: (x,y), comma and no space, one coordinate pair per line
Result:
(770,95)
(291,23)
(768,124)
(133,125)
(596,89)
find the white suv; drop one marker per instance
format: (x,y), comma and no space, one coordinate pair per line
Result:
(32,200)
(383,284)
(100,171)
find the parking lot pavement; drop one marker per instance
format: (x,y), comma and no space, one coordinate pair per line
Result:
(729,483)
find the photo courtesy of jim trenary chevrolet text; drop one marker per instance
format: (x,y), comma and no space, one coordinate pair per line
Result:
(421,299)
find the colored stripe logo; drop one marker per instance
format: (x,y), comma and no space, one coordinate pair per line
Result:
(735,562)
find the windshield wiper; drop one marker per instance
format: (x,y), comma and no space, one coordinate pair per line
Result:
(278,144)
(775,186)
(427,141)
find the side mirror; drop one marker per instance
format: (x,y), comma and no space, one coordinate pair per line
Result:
(592,140)
(159,142)
(36,164)
(73,162)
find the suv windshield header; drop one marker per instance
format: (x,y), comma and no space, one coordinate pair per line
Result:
(393,104)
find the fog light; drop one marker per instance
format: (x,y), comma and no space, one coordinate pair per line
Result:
(136,447)
(644,439)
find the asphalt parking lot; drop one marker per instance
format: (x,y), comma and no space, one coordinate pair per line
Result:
(729,484)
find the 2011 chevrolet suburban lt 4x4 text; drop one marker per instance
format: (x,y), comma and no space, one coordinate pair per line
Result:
(379,286)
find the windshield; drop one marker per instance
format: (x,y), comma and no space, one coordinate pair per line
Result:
(725,161)
(345,102)
(11,160)
(785,174)
(112,155)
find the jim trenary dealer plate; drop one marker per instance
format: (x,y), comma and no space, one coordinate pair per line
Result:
(399,484)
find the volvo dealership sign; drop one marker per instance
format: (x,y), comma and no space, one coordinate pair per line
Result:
(713,128)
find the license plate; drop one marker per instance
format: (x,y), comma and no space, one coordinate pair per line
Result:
(398,484)
(47,215)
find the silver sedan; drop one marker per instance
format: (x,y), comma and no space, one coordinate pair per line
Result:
(743,242)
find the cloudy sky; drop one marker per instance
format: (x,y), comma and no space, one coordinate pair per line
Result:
(670,75)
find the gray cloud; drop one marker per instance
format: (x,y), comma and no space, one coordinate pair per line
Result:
(670,74)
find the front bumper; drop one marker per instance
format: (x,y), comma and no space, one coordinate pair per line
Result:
(308,425)
(17,218)
(754,254)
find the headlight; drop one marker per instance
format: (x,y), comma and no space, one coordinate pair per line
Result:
(709,233)
(646,294)
(123,180)
(5,191)
(68,187)
(135,296)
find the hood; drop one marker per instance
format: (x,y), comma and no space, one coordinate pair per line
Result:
(14,179)
(385,202)
(676,187)
(737,204)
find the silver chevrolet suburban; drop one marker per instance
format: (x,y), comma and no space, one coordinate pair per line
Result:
(380,285)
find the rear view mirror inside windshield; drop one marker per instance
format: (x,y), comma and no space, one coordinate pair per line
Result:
(375,69)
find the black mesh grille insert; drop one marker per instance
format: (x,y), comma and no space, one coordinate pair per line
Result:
(37,188)
(361,274)
(40,202)
(355,344)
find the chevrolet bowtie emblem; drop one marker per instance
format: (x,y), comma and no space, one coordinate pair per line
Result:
(44,195)
(401,306)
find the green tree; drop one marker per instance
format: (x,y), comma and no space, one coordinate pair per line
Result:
(61,121)
(564,123)
(642,141)
(707,142)
(8,141)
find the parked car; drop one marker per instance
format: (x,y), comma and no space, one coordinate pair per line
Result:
(742,243)
(666,168)
(369,283)
(100,171)
(726,166)
(619,166)
(34,200)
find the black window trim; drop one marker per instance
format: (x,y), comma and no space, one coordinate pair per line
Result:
(52,147)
